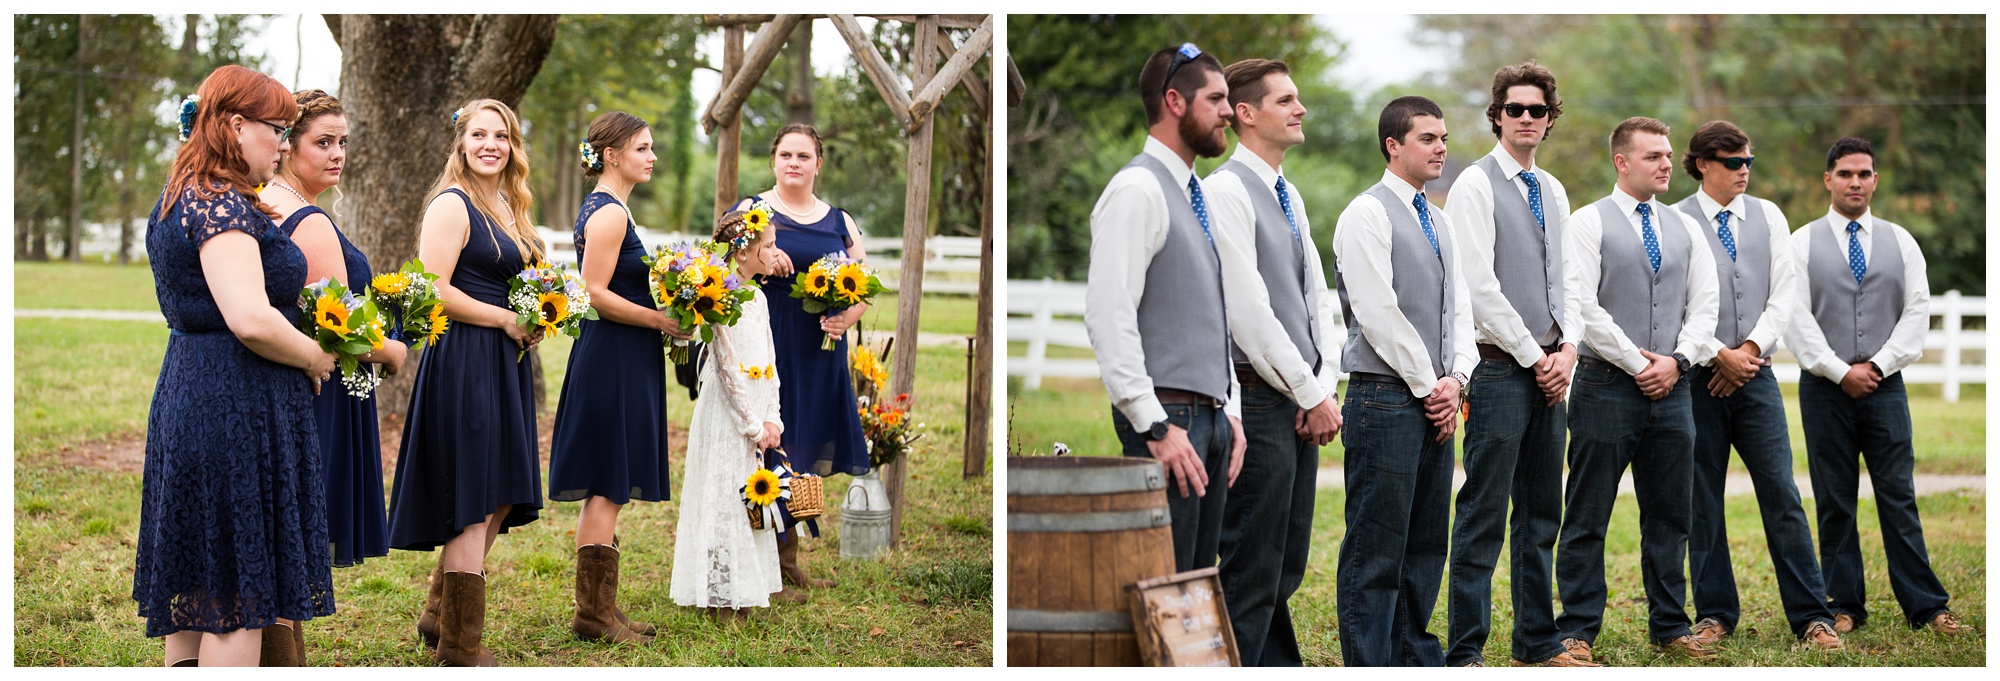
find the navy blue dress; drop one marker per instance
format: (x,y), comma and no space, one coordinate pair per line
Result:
(610,435)
(350,441)
(822,431)
(232,519)
(469,438)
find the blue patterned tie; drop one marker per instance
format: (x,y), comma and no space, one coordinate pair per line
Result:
(1855,261)
(1722,231)
(1652,240)
(1200,210)
(1424,218)
(1285,201)
(1535,198)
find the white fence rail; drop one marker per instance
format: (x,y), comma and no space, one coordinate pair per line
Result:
(951,263)
(1046,312)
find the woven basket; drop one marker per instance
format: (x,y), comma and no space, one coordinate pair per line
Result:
(808,497)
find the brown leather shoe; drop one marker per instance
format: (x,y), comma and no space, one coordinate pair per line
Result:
(1578,649)
(1686,647)
(794,568)
(642,628)
(427,622)
(279,647)
(1820,636)
(596,616)
(1709,631)
(1843,623)
(1948,624)
(462,621)
(1562,659)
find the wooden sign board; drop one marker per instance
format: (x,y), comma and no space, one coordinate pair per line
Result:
(1181,621)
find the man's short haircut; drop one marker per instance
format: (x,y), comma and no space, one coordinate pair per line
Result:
(1397,119)
(1525,73)
(1713,138)
(1189,78)
(1621,136)
(1849,146)
(1246,82)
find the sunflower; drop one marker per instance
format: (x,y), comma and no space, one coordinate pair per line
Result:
(762,488)
(892,418)
(331,314)
(702,307)
(817,280)
(389,284)
(851,282)
(554,307)
(716,287)
(375,334)
(756,220)
(438,323)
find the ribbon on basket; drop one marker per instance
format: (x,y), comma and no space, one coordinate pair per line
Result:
(804,499)
(763,492)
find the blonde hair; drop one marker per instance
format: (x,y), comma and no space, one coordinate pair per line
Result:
(517,224)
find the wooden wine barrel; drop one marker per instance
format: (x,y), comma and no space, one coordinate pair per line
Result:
(1079,530)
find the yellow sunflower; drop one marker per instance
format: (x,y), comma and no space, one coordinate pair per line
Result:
(331,314)
(375,334)
(389,284)
(851,283)
(817,280)
(756,220)
(762,488)
(554,307)
(438,323)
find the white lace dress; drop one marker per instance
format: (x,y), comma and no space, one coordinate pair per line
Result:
(719,562)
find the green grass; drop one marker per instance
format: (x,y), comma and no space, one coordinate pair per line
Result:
(86,286)
(82,380)
(954,315)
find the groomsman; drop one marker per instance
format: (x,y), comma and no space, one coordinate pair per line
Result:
(1407,355)
(1736,397)
(1647,290)
(1861,317)
(1154,308)
(1507,210)
(1284,349)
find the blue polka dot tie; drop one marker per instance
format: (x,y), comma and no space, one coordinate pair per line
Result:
(1424,218)
(1652,239)
(1200,210)
(1535,198)
(1722,231)
(1855,260)
(1285,201)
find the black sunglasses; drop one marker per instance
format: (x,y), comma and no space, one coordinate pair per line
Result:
(1187,53)
(1533,110)
(1734,162)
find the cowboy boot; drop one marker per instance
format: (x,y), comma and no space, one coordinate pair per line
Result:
(596,592)
(637,627)
(427,623)
(299,642)
(794,567)
(277,649)
(462,620)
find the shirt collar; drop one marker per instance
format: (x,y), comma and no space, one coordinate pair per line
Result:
(1265,173)
(1839,221)
(1630,203)
(1179,169)
(1403,190)
(1509,168)
(1709,207)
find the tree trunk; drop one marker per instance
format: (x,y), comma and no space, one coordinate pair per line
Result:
(799,87)
(73,238)
(401,76)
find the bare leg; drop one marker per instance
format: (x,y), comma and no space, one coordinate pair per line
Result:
(467,551)
(235,649)
(492,532)
(598,522)
(183,645)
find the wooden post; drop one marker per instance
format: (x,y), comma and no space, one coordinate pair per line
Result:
(916,226)
(729,141)
(979,403)
(877,68)
(929,94)
(749,69)
(975,87)
(1953,319)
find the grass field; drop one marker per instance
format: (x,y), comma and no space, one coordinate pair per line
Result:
(74,528)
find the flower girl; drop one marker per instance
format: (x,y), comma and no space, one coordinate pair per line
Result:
(719,562)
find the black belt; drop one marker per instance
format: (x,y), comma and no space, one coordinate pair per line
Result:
(1171,396)
(1493,352)
(1597,363)
(1372,377)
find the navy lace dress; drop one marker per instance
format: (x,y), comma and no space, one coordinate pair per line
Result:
(232,520)
(610,435)
(469,438)
(822,431)
(350,442)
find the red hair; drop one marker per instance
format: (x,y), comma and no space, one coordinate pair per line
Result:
(211,162)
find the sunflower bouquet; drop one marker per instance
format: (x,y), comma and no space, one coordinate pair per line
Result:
(694,284)
(835,283)
(550,296)
(409,297)
(346,325)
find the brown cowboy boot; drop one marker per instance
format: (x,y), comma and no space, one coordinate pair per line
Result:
(462,620)
(299,642)
(596,597)
(637,627)
(427,623)
(794,567)
(278,647)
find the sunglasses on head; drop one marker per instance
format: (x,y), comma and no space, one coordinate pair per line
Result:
(1533,110)
(1187,53)
(1734,162)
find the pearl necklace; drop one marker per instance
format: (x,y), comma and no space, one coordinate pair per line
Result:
(780,200)
(295,192)
(607,190)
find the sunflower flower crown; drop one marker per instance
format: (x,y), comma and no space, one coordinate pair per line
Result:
(189,107)
(739,229)
(592,158)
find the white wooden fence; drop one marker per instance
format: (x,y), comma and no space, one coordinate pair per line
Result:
(951,263)
(1044,313)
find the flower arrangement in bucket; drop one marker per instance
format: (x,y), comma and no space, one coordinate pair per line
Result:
(885,423)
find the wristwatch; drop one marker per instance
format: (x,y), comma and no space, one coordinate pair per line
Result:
(1461,378)
(1682,360)
(1157,431)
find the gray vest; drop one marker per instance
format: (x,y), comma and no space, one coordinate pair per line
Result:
(1744,285)
(1281,261)
(1647,306)
(1535,292)
(1856,318)
(1181,324)
(1423,292)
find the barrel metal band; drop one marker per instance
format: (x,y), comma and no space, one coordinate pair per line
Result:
(1102,521)
(1108,480)
(1021,620)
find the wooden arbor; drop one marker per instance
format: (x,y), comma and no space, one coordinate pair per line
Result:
(742,69)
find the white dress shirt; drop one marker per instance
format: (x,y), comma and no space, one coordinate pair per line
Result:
(1471,211)
(1906,341)
(1252,325)
(1784,285)
(1583,236)
(1361,247)
(1127,228)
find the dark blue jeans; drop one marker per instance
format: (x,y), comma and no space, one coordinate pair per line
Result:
(1513,450)
(1197,519)
(1267,529)
(1398,518)
(1613,425)
(1753,420)
(1840,431)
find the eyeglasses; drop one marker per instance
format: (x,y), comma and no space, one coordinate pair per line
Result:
(1187,53)
(1734,162)
(284,131)
(1533,110)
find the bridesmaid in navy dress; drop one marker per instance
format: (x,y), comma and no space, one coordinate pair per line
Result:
(232,524)
(822,431)
(468,469)
(349,444)
(610,443)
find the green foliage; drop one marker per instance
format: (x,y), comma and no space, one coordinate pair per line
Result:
(967,525)
(952,582)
